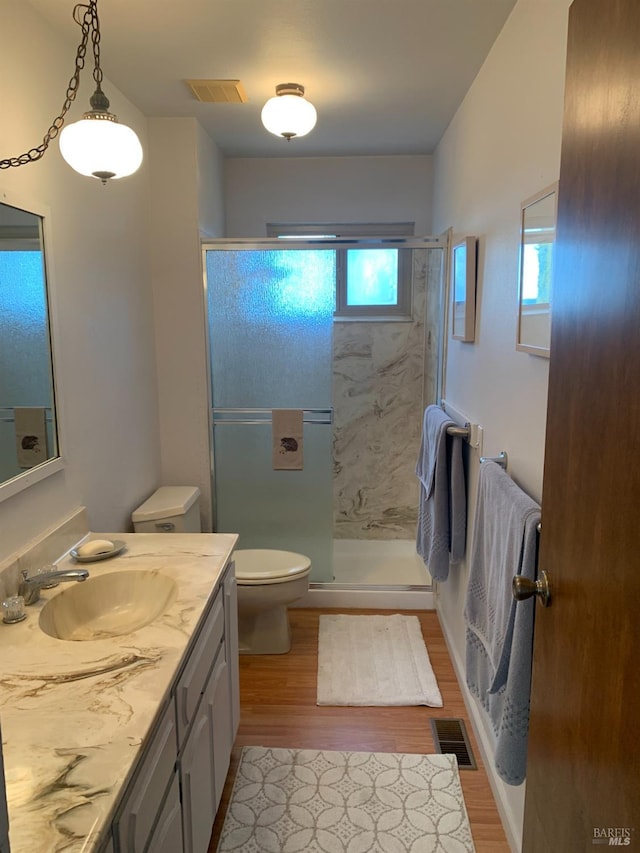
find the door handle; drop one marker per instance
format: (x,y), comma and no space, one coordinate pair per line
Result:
(523,588)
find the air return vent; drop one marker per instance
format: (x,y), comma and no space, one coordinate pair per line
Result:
(450,736)
(218,91)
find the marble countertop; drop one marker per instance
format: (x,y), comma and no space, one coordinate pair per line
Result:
(75,714)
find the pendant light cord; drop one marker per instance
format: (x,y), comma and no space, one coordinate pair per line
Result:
(86,16)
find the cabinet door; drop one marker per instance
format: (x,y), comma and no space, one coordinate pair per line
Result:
(198,794)
(206,758)
(167,836)
(231,646)
(143,800)
(217,702)
(191,683)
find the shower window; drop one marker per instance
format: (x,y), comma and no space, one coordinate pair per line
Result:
(372,283)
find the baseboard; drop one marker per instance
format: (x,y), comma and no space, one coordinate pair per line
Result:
(511,821)
(330,595)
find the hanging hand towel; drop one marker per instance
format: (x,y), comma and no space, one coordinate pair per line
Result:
(287,438)
(499,633)
(31,436)
(441,529)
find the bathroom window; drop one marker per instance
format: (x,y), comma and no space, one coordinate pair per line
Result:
(373,281)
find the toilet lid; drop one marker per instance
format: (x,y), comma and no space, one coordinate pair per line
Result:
(265,565)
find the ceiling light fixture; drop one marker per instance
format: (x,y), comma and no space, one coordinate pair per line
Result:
(98,145)
(289,114)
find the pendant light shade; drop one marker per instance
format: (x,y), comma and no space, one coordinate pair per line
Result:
(289,114)
(100,147)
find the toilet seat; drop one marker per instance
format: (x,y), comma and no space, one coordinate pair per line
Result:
(262,566)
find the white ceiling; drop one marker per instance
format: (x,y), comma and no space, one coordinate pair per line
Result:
(386,76)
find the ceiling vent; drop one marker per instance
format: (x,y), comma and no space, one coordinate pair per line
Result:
(218,91)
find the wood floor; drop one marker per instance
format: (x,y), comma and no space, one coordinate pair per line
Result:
(278,708)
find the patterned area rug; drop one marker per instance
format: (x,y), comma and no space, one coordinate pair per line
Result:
(374,660)
(294,800)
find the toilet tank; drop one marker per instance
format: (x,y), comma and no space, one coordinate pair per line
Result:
(170,509)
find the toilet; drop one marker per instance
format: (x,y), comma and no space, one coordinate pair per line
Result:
(268,580)
(170,509)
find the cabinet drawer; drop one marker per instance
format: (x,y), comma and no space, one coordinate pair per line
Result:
(192,682)
(143,800)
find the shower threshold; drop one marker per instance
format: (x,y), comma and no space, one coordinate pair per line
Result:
(373,586)
(368,597)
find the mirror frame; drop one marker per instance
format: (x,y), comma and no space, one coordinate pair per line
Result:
(465,248)
(521,346)
(28,478)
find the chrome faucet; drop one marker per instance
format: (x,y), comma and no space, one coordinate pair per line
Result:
(30,587)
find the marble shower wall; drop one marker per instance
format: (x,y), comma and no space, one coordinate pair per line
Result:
(384,374)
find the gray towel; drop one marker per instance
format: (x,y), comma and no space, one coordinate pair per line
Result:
(442,511)
(499,635)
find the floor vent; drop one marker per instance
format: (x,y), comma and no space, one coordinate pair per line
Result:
(450,736)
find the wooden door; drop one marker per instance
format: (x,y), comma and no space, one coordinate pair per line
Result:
(583,781)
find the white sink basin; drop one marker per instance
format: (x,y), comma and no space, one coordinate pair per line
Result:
(108,605)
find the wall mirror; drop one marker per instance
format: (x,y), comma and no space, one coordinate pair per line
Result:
(537,238)
(28,429)
(463,289)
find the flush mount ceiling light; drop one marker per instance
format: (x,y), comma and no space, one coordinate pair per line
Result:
(98,145)
(289,114)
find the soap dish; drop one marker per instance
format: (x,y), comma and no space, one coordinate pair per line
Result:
(118,547)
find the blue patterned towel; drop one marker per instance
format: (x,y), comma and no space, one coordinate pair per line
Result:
(442,512)
(499,635)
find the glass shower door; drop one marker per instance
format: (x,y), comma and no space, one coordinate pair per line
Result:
(270,318)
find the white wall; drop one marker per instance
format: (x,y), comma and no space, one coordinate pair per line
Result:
(186,201)
(101,295)
(209,180)
(326,189)
(502,146)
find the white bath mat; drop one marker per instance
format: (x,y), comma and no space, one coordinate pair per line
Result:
(308,801)
(374,660)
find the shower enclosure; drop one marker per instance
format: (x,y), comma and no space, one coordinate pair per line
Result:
(362,384)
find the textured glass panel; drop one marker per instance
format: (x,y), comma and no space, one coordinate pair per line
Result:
(270,327)
(287,510)
(25,379)
(270,322)
(372,277)
(25,359)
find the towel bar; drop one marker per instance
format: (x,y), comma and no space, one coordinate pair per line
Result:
(263,416)
(463,432)
(501,459)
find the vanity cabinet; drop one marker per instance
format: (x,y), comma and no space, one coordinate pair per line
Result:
(171,804)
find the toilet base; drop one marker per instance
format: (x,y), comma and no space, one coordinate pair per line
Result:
(264,633)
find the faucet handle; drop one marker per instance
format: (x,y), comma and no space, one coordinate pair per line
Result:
(13,609)
(45,570)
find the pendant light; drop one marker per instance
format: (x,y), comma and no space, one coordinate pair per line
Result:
(289,113)
(98,145)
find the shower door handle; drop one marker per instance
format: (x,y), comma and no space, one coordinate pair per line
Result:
(523,588)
